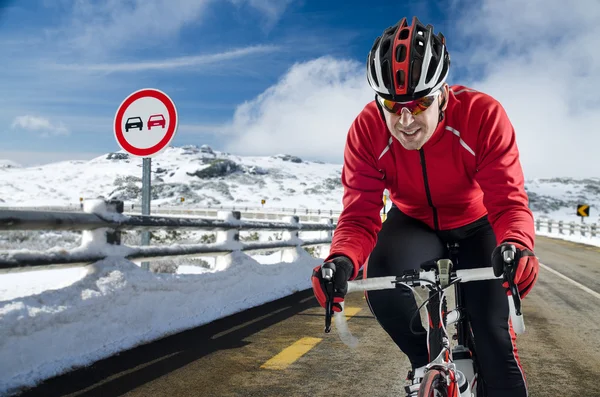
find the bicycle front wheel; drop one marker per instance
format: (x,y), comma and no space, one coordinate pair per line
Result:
(433,385)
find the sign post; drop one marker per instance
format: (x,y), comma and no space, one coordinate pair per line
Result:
(144,125)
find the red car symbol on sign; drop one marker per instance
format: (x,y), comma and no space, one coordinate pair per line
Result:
(156,120)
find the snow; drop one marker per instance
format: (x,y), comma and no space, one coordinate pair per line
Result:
(116,305)
(576,238)
(5,164)
(285,184)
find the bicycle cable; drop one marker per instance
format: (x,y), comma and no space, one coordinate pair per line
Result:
(438,291)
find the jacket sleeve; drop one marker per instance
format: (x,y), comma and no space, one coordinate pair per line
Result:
(360,221)
(500,176)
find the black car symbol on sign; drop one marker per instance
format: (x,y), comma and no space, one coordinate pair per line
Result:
(134,122)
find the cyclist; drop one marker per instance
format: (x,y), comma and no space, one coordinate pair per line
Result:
(449,159)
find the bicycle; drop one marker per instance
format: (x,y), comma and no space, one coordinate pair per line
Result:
(453,372)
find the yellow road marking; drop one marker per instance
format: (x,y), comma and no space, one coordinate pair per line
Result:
(351,311)
(291,353)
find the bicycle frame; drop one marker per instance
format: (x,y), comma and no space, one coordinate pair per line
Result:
(438,279)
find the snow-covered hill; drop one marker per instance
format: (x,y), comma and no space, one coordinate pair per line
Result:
(205,177)
(198,174)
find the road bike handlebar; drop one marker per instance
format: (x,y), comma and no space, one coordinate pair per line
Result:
(416,278)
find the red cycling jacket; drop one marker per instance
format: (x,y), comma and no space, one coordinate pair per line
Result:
(469,168)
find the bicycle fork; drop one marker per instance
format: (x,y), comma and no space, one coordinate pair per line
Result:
(440,354)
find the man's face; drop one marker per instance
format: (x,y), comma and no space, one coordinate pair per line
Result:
(413,131)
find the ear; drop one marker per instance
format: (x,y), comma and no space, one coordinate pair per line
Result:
(444,102)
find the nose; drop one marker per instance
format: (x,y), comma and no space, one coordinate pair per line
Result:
(406,118)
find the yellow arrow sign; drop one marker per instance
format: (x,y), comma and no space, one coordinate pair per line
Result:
(583,210)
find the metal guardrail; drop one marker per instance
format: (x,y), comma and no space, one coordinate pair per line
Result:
(572,227)
(103,229)
(186,209)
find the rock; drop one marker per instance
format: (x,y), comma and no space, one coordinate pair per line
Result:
(120,180)
(217,169)
(206,149)
(117,156)
(255,170)
(288,157)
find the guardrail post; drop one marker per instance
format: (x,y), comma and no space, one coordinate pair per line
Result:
(103,235)
(230,236)
(594,229)
(538,224)
(560,227)
(114,236)
(549,225)
(571,228)
(291,254)
(582,229)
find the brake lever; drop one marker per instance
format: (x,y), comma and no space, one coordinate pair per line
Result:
(508,255)
(327,274)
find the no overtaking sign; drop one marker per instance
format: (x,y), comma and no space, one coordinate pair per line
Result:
(145,122)
(144,125)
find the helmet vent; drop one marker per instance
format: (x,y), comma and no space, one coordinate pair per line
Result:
(400,53)
(386,74)
(431,71)
(420,46)
(415,72)
(373,73)
(404,34)
(385,47)
(400,78)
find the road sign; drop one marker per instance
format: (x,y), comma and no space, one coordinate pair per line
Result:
(583,210)
(145,122)
(263,201)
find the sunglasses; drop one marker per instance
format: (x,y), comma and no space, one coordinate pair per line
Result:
(414,107)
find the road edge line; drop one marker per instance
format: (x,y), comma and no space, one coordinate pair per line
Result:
(575,283)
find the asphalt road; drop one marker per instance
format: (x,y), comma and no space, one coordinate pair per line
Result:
(245,354)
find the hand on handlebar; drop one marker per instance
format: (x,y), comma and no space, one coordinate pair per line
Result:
(519,265)
(330,285)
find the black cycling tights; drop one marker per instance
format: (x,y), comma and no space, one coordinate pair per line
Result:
(404,243)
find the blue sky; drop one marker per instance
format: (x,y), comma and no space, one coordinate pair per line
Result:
(260,77)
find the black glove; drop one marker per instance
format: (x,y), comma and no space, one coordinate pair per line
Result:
(526,267)
(342,271)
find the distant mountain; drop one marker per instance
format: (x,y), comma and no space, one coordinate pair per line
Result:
(206,177)
(558,198)
(4,164)
(198,174)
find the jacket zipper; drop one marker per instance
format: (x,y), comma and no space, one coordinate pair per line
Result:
(427,191)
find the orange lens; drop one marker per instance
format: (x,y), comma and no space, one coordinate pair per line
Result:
(415,107)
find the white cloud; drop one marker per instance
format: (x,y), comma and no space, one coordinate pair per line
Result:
(99,28)
(541,62)
(173,63)
(307,113)
(271,9)
(40,124)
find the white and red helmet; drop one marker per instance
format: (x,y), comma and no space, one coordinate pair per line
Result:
(408,62)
